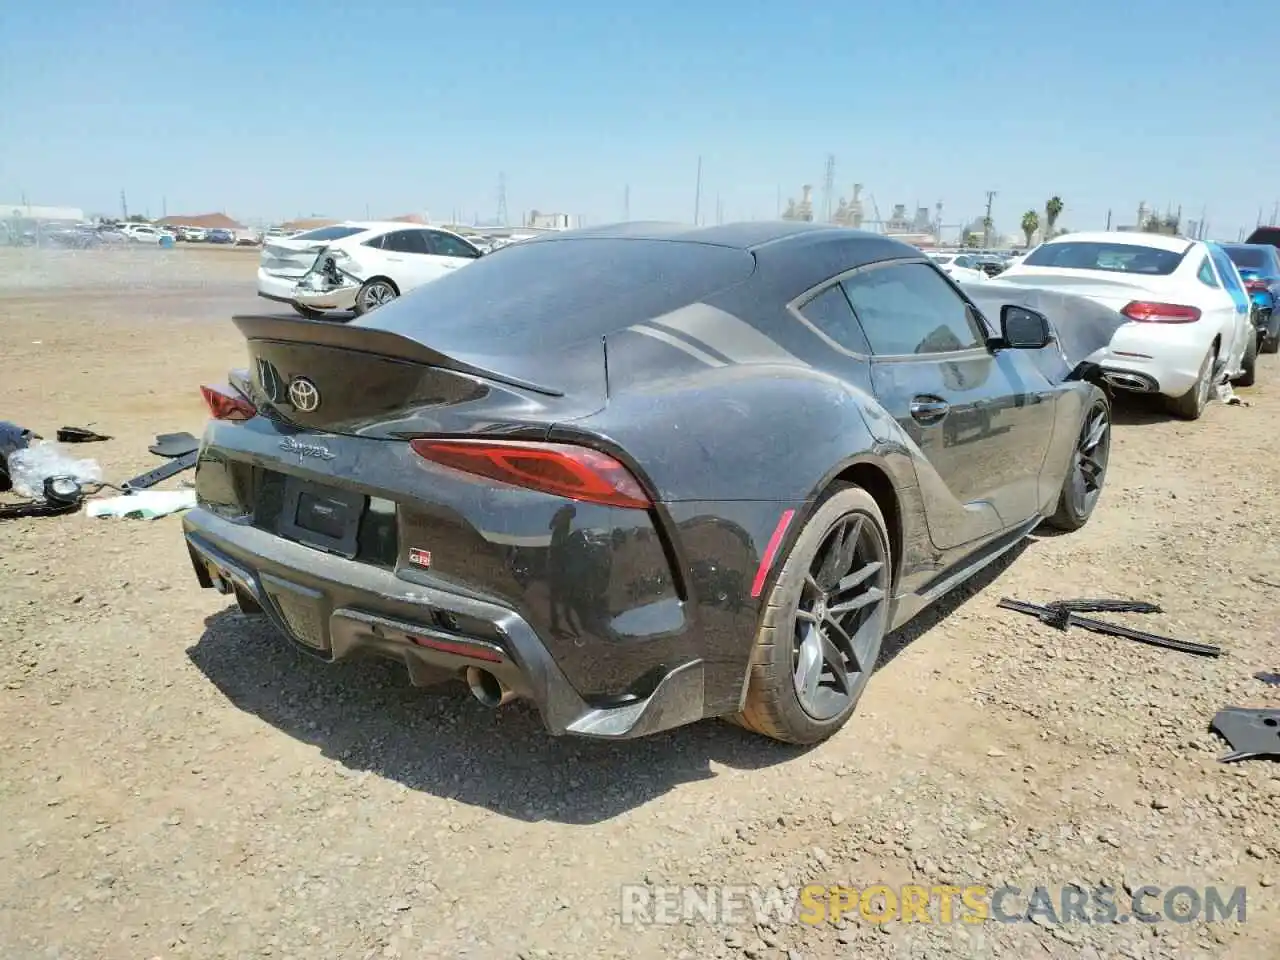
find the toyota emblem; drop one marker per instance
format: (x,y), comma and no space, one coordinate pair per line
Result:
(303,395)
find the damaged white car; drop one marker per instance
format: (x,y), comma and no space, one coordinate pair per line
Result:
(357,266)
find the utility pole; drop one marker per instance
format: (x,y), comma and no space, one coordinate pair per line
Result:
(1275,212)
(986,221)
(719,211)
(626,203)
(164,207)
(366,211)
(697,196)
(828,187)
(502,199)
(124,207)
(1108,221)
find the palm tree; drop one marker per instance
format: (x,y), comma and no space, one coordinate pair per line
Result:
(1052,211)
(1030,224)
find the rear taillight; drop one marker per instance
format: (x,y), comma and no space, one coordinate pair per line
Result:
(561,469)
(1256,286)
(1146,311)
(228,403)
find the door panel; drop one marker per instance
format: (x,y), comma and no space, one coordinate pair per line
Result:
(982,421)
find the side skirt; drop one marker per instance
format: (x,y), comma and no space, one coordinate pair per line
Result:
(909,605)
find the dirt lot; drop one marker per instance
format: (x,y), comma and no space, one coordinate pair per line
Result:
(176,782)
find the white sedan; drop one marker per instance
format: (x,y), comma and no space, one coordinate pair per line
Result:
(357,266)
(1187,306)
(961,268)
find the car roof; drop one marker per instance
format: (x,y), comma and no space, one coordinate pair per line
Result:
(1158,241)
(746,235)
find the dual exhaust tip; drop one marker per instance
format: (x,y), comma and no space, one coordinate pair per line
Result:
(487,688)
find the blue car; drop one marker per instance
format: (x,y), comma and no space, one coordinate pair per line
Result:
(1259,266)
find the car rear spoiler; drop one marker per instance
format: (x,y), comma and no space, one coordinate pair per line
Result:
(384,343)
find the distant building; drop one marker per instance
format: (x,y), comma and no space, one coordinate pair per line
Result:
(25,211)
(548,221)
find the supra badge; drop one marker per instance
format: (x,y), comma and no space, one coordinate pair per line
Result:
(419,558)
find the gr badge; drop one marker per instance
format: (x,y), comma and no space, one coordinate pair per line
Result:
(419,557)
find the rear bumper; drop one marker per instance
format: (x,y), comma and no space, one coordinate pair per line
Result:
(1155,358)
(338,609)
(292,290)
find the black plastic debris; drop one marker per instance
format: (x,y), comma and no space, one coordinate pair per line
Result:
(1250,733)
(162,472)
(79,435)
(174,445)
(1268,677)
(1066,613)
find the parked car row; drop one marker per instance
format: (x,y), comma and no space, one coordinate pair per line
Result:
(1198,312)
(639,475)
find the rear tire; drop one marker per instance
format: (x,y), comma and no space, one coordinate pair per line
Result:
(828,603)
(373,294)
(1191,404)
(1088,471)
(1249,365)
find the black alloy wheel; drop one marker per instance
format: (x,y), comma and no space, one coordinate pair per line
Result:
(824,623)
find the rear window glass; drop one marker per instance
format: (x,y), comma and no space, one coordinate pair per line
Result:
(329,233)
(1112,257)
(545,294)
(1249,258)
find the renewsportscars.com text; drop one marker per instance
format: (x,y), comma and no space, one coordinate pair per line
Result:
(814,904)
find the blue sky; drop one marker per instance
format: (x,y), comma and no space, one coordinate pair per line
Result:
(275,109)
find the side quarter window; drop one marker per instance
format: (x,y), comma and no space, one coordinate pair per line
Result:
(1227,270)
(1205,275)
(830,314)
(444,245)
(908,308)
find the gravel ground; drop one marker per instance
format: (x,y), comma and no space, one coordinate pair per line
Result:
(175,782)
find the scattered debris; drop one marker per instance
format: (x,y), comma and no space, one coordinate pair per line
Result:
(174,445)
(1062,614)
(1250,733)
(147,505)
(32,465)
(1266,677)
(79,435)
(164,472)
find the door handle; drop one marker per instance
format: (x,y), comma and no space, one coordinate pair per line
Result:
(929,409)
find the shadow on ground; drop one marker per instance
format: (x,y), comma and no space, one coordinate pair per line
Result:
(1135,409)
(366,716)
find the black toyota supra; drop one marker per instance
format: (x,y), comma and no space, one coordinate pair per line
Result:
(645,474)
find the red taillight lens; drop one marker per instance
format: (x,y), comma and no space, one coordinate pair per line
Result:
(566,471)
(227,403)
(1145,311)
(1256,286)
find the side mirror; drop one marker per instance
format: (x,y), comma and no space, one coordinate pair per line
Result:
(1023,329)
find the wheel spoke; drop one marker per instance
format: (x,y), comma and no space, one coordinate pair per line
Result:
(809,668)
(838,669)
(845,643)
(813,584)
(857,578)
(865,599)
(1097,430)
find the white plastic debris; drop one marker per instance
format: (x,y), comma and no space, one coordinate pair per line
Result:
(31,466)
(143,505)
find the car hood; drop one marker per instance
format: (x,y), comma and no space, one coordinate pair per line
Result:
(1083,325)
